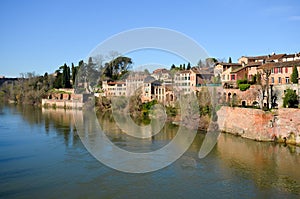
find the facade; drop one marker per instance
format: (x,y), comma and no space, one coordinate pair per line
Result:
(280,71)
(114,88)
(163,75)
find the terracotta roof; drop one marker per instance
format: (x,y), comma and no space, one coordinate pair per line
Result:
(160,70)
(238,69)
(279,64)
(254,64)
(257,57)
(275,56)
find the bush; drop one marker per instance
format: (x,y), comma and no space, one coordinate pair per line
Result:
(244,87)
(242,81)
(290,99)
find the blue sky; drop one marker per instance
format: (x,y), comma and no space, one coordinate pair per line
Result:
(42,35)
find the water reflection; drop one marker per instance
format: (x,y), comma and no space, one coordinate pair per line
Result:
(269,165)
(49,160)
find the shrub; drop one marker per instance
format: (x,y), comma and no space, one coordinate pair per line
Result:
(244,87)
(242,81)
(290,99)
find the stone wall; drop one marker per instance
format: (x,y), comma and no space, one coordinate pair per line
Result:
(259,125)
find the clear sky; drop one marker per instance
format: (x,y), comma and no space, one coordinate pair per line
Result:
(40,35)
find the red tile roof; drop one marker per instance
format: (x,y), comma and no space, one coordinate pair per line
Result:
(271,65)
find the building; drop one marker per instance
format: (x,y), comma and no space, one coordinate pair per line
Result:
(163,75)
(114,88)
(280,72)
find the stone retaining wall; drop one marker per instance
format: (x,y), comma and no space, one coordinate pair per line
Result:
(256,124)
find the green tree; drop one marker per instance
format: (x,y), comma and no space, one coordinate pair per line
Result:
(290,99)
(66,77)
(229,60)
(117,67)
(173,66)
(183,67)
(188,66)
(180,67)
(295,75)
(58,79)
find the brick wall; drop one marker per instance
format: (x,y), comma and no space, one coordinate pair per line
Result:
(259,125)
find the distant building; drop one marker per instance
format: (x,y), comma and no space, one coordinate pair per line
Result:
(114,88)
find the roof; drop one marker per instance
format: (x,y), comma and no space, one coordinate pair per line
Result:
(160,70)
(238,69)
(280,64)
(267,57)
(275,56)
(149,79)
(114,83)
(254,64)
(228,64)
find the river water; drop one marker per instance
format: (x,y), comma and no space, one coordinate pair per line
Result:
(42,156)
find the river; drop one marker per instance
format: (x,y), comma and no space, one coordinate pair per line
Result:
(42,156)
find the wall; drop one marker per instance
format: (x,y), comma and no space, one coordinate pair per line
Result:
(259,125)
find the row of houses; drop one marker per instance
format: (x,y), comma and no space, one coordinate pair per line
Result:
(163,85)
(280,66)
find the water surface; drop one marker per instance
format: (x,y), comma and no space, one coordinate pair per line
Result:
(41,156)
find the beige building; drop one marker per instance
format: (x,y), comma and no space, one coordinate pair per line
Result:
(280,71)
(114,88)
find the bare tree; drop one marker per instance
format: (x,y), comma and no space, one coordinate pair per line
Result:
(266,76)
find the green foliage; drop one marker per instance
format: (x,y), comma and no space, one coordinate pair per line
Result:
(66,77)
(229,60)
(242,81)
(173,66)
(294,75)
(117,67)
(290,99)
(188,66)
(171,111)
(244,87)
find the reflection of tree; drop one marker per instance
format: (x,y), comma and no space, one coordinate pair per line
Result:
(54,121)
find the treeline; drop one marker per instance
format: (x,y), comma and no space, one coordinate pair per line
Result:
(31,88)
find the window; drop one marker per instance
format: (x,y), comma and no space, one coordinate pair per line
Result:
(272,80)
(279,70)
(287,80)
(275,70)
(286,69)
(279,80)
(232,77)
(272,70)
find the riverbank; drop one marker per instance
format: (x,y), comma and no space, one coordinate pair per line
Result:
(281,125)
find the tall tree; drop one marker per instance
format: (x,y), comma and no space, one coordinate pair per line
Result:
(180,66)
(183,67)
(229,60)
(295,75)
(173,66)
(188,66)
(66,77)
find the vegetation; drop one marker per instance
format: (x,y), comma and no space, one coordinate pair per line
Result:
(244,87)
(290,99)
(294,75)
(229,60)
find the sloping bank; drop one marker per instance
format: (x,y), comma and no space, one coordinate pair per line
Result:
(282,125)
